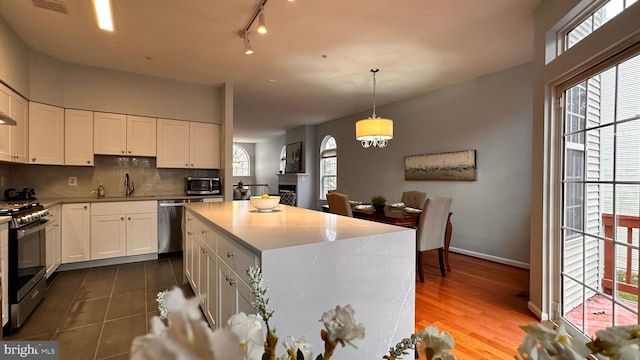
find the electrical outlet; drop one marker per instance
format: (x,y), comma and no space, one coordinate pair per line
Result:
(72,181)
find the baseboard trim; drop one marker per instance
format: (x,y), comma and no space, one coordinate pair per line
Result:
(497,259)
(543,316)
(104,262)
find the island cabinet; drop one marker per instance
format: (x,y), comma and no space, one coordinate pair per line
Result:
(125,135)
(188,144)
(52,241)
(14,139)
(46,134)
(311,262)
(123,229)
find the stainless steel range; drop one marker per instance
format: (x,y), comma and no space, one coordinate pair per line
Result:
(27,257)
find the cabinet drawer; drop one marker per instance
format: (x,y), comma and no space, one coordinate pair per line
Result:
(124,207)
(236,256)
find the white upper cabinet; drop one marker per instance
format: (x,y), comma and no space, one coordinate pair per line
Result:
(125,135)
(46,134)
(14,139)
(184,144)
(78,137)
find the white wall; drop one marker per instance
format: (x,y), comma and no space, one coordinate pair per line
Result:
(267,162)
(83,87)
(14,61)
(491,114)
(548,72)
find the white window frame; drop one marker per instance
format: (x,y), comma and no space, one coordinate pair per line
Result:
(328,152)
(241,162)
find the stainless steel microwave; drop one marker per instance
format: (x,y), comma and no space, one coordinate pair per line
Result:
(203,186)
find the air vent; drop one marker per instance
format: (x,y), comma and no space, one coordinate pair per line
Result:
(53,5)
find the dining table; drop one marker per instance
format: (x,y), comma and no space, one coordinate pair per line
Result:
(400,216)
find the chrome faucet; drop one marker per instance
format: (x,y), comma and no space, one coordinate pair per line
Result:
(128,186)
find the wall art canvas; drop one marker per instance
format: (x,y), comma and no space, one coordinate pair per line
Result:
(457,165)
(294,158)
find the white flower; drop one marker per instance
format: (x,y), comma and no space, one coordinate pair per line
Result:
(618,343)
(187,337)
(248,328)
(438,343)
(341,325)
(553,344)
(301,344)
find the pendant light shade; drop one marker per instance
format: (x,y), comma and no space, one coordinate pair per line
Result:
(374,131)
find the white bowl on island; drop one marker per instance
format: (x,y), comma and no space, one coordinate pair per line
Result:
(264,204)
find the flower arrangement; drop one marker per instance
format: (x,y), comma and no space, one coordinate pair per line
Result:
(186,335)
(616,343)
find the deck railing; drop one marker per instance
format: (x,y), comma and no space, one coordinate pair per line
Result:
(625,285)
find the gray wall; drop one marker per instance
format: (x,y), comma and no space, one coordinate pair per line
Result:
(14,62)
(267,160)
(491,114)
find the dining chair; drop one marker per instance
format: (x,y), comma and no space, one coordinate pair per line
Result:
(432,231)
(339,204)
(414,199)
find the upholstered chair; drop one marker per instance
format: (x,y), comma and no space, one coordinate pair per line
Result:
(339,204)
(414,199)
(432,230)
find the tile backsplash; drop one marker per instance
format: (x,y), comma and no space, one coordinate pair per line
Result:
(52,181)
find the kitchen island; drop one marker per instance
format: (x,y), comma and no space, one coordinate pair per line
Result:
(311,261)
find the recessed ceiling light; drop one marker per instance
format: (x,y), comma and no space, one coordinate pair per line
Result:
(104,15)
(271,80)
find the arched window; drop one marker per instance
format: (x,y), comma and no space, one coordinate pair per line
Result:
(283,158)
(328,165)
(240,161)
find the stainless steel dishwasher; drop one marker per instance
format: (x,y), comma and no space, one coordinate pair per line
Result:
(170,230)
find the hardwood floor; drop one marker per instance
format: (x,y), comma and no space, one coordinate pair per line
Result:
(481,303)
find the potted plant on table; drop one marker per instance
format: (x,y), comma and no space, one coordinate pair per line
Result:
(378,202)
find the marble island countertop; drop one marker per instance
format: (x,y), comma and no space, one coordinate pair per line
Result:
(287,226)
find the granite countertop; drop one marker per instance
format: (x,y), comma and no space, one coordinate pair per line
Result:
(49,202)
(287,226)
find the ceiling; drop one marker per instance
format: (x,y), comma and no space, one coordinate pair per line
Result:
(313,64)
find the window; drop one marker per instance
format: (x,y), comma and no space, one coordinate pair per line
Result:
(600,242)
(283,159)
(328,166)
(240,161)
(607,11)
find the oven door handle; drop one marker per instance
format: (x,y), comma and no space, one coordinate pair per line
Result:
(32,230)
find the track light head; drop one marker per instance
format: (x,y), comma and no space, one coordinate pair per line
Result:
(262,28)
(247,43)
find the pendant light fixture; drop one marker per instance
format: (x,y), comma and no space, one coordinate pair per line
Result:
(374,131)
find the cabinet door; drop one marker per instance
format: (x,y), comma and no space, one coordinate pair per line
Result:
(173,144)
(4,268)
(227,293)
(78,137)
(142,233)
(46,134)
(211,300)
(109,134)
(204,143)
(5,131)
(141,136)
(108,236)
(76,225)
(20,132)
(50,239)
(187,255)
(203,252)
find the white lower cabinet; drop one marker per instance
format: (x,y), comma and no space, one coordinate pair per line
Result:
(123,229)
(52,241)
(216,269)
(76,234)
(4,269)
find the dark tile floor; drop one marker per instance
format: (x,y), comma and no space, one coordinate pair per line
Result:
(96,313)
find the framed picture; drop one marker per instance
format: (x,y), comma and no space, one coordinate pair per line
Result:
(457,165)
(294,158)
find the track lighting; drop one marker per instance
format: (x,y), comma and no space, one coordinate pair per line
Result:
(258,14)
